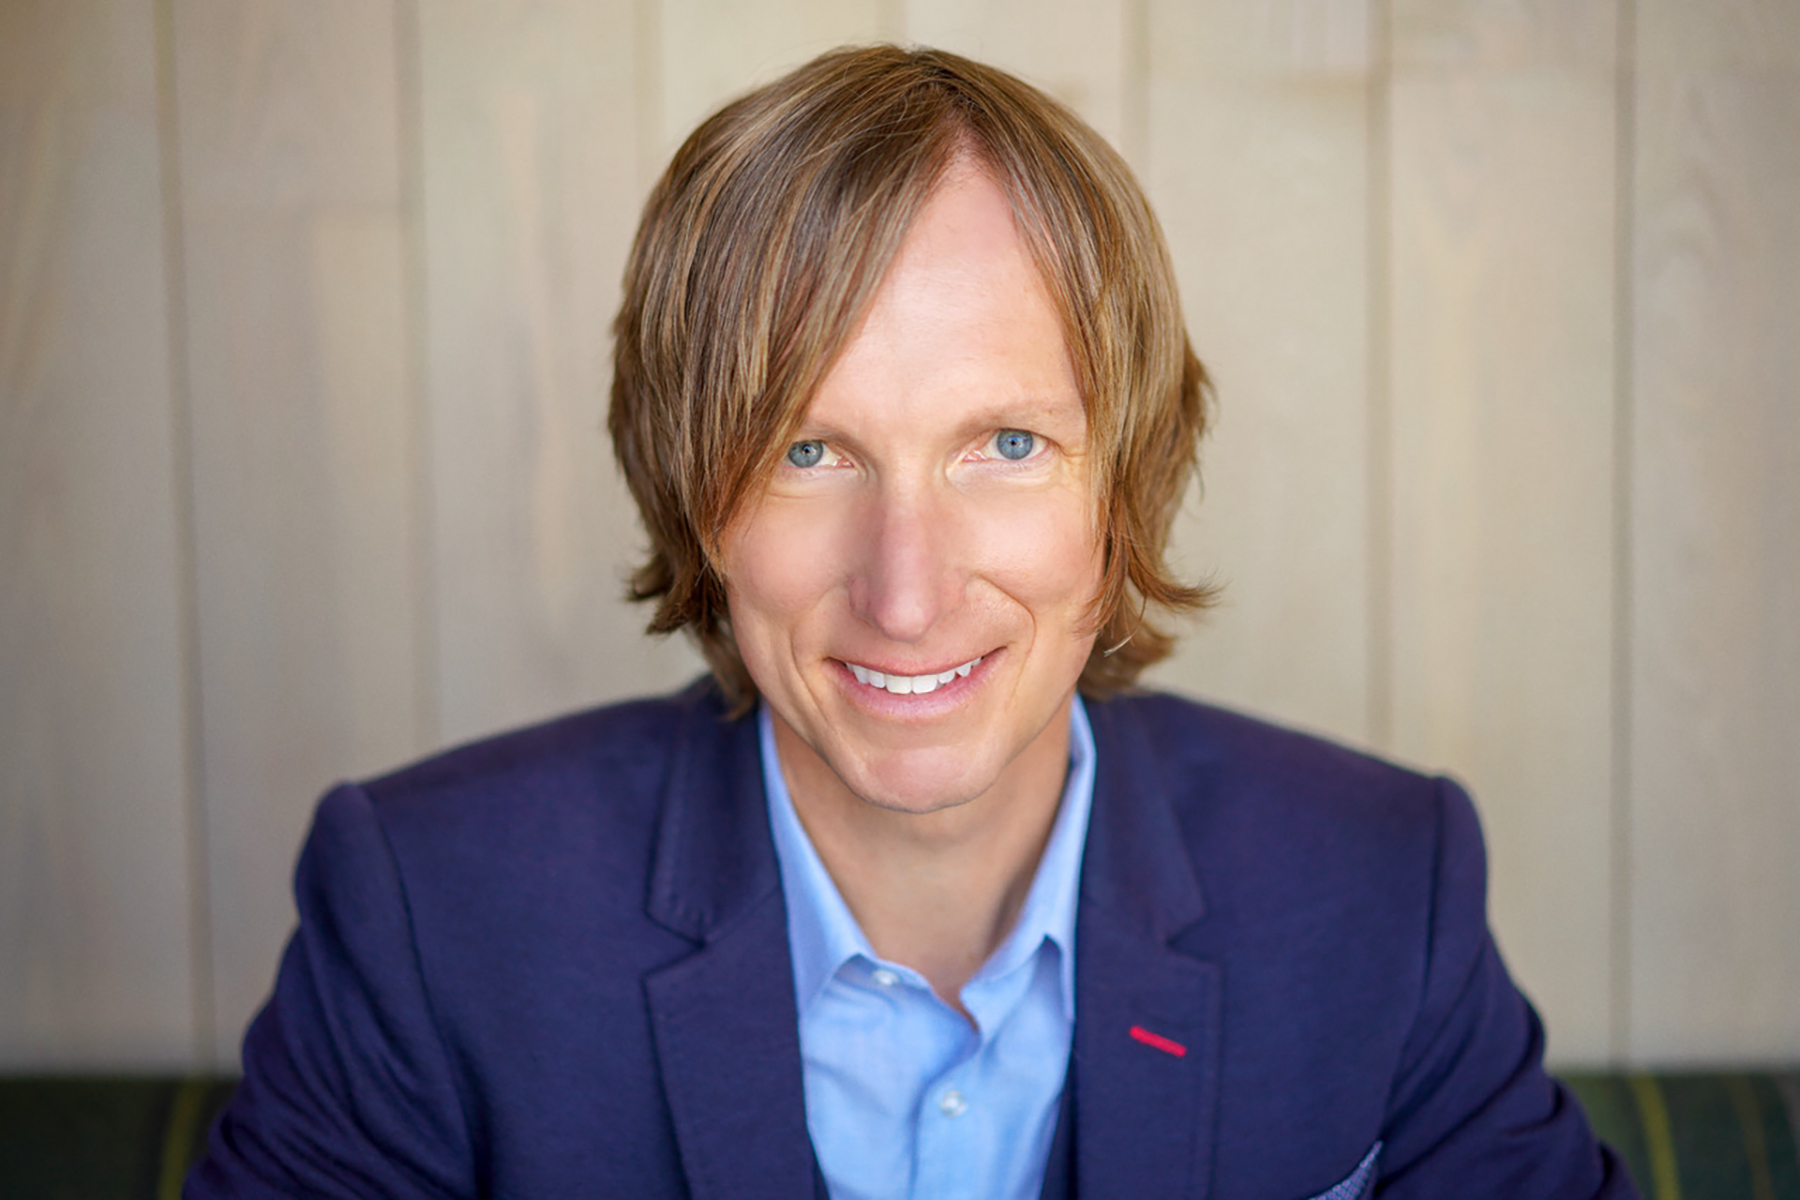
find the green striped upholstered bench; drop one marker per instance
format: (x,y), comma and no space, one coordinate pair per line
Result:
(82,1138)
(1700,1136)
(1686,1136)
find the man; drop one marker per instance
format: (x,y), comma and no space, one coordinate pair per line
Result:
(909,900)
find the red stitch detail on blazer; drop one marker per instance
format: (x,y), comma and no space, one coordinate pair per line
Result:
(1157,1040)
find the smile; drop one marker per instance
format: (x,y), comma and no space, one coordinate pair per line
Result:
(910,685)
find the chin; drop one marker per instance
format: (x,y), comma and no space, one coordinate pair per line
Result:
(919,781)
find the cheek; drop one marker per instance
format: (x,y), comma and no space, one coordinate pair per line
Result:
(1044,552)
(779,563)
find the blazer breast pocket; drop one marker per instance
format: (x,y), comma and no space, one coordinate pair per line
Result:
(1357,1184)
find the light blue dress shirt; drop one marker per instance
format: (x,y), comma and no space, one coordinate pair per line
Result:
(903,1097)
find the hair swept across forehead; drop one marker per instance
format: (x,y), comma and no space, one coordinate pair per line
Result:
(760,250)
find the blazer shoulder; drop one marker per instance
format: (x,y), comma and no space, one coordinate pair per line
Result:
(606,765)
(1247,791)
(1192,738)
(617,734)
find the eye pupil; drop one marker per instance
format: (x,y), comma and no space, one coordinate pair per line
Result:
(806,454)
(1015,444)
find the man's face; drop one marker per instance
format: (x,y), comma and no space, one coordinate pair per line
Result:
(911,592)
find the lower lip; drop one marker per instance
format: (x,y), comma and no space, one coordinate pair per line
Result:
(944,696)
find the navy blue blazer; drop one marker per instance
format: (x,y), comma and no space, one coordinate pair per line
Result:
(555,964)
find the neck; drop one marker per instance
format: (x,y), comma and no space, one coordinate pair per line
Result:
(936,891)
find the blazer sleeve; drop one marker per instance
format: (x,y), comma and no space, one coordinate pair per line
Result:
(1472,1112)
(347,1089)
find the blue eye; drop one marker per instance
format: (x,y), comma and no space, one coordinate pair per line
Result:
(806,454)
(1015,444)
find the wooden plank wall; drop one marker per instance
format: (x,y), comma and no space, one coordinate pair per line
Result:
(304,313)
(1499,465)
(1713,347)
(303,463)
(97,948)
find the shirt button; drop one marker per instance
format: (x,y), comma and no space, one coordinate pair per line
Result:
(884,977)
(952,1104)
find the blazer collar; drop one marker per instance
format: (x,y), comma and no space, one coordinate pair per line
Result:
(1137,865)
(1145,1060)
(714,861)
(723,1018)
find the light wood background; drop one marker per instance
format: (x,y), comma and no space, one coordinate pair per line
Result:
(303,355)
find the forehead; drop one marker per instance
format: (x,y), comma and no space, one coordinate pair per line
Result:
(961,324)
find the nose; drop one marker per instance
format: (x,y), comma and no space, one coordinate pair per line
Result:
(905,577)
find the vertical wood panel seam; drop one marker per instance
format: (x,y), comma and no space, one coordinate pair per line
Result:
(200,955)
(1378,163)
(647,76)
(1624,313)
(409,73)
(890,19)
(1136,99)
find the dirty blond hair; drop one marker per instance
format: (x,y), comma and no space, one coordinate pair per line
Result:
(760,250)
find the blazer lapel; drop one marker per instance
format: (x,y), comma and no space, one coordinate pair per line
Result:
(727,1037)
(1147,1016)
(730,1057)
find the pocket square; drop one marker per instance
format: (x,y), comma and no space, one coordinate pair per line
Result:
(1359,1183)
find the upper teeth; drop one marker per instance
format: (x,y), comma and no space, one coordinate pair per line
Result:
(910,685)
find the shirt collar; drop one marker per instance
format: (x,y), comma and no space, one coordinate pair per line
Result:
(822,933)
